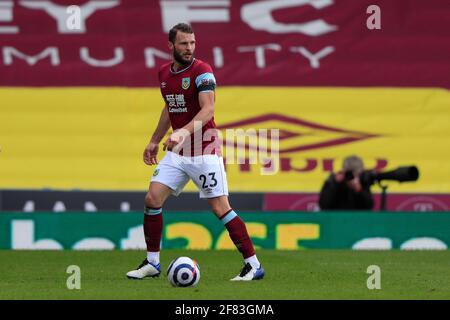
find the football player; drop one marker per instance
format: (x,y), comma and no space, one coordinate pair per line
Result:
(193,153)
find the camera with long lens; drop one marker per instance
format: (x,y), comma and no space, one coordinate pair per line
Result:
(401,174)
(369,177)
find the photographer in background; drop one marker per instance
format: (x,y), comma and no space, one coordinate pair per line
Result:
(344,190)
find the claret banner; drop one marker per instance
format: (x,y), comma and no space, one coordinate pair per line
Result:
(248,42)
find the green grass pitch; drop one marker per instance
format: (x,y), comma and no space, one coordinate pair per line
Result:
(298,275)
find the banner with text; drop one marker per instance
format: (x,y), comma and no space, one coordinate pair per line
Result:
(200,230)
(248,42)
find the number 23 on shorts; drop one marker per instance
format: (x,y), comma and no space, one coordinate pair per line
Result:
(208,182)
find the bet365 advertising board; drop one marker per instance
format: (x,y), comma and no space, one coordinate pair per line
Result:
(202,230)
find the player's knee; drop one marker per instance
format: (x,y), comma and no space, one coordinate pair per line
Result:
(219,210)
(151,201)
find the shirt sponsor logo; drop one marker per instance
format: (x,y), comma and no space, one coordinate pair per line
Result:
(177,110)
(176,103)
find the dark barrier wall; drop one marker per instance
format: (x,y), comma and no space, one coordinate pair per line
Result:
(91,201)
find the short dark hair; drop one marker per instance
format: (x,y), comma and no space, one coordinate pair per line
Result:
(353,163)
(183,27)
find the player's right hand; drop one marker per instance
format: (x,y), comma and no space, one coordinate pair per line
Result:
(150,153)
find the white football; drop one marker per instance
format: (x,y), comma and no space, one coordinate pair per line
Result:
(183,272)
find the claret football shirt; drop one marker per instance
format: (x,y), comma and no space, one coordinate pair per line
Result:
(180,90)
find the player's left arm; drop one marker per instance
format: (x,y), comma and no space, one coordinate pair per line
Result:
(206,85)
(206,113)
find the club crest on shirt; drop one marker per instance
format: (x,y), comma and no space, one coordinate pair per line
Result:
(156,172)
(185,83)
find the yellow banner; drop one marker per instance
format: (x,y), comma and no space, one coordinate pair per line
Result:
(93,138)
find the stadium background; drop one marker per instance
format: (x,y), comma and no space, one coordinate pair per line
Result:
(77,107)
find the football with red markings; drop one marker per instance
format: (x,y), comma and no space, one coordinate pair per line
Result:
(183,272)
